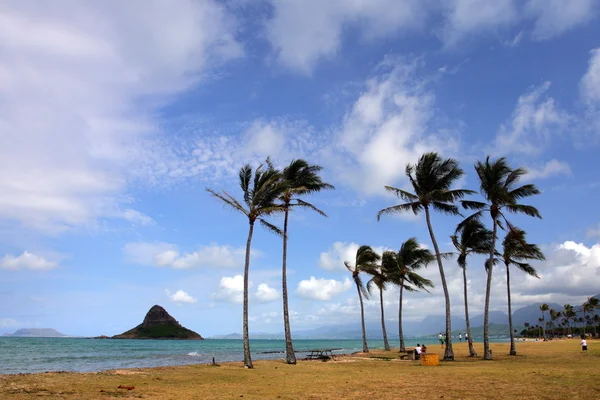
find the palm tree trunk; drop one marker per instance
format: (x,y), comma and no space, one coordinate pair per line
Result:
(487,353)
(449,353)
(386,345)
(472,352)
(247,356)
(513,348)
(400,333)
(290,355)
(362,320)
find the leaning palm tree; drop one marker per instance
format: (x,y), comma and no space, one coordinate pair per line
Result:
(380,280)
(498,187)
(471,238)
(432,179)
(366,261)
(300,179)
(261,189)
(401,267)
(515,251)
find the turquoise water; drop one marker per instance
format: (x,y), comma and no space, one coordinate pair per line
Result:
(24,355)
(77,354)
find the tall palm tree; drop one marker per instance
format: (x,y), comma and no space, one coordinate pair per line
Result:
(380,280)
(365,261)
(590,306)
(554,316)
(471,238)
(515,251)
(401,267)
(432,179)
(569,313)
(543,307)
(498,186)
(261,189)
(300,179)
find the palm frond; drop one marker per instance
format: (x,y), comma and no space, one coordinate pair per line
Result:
(301,203)
(523,209)
(274,229)
(402,194)
(415,207)
(229,202)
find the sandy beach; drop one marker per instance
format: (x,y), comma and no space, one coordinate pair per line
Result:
(541,370)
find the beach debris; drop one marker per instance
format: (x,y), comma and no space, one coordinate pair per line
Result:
(125,387)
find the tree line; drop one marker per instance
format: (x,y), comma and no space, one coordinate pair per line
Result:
(566,321)
(267,191)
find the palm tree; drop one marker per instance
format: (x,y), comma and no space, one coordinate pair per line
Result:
(498,187)
(300,179)
(401,267)
(366,260)
(596,321)
(589,307)
(380,280)
(261,189)
(569,313)
(471,238)
(543,307)
(516,250)
(554,315)
(432,179)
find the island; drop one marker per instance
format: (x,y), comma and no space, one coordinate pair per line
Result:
(159,324)
(37,333)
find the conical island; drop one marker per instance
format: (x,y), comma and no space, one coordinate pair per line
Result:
(159,324)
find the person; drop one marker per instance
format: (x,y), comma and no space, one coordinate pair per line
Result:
(583,344)
(460,337)
(443,340)
(440,338)
(418,352)
(467,337)
(423,349)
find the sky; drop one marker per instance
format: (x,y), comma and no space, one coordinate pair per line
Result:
(116,116)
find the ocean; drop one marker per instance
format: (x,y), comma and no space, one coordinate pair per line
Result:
(28,355)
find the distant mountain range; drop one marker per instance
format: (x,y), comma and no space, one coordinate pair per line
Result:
(36,332)
(431,325)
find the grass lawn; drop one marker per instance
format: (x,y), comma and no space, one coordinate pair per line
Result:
(542,370)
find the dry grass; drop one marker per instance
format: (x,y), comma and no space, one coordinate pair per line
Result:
(550,370)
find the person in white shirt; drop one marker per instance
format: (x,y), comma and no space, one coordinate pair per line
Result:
(583,344)
(418,352)
(460,337)
(466,337)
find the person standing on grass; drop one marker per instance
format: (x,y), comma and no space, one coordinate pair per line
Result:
(583,344)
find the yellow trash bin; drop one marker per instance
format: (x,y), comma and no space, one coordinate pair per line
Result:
(430,359)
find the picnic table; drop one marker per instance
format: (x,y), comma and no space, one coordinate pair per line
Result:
(318,354)
(409,354)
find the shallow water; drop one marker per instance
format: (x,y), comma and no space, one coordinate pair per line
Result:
(84,355)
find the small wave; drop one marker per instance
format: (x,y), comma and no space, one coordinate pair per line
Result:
(194,354)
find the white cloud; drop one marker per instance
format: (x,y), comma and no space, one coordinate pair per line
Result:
(231,289)
(8,322)
(266,294)
(137,217)
(386,128)
(514,42)
(535,120)
(304,32)
(570,268)
(551,168)
(466,18)
(322,289)
(339,252)
(78,92)
(161,254)
(590,83)
(180,297)
(555,17)
(26,260)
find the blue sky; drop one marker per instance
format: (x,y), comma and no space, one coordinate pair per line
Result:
(114,118)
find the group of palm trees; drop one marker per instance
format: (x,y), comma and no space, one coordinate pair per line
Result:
(567,320)
(268,191)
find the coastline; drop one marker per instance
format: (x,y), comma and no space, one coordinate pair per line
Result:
(552,370)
